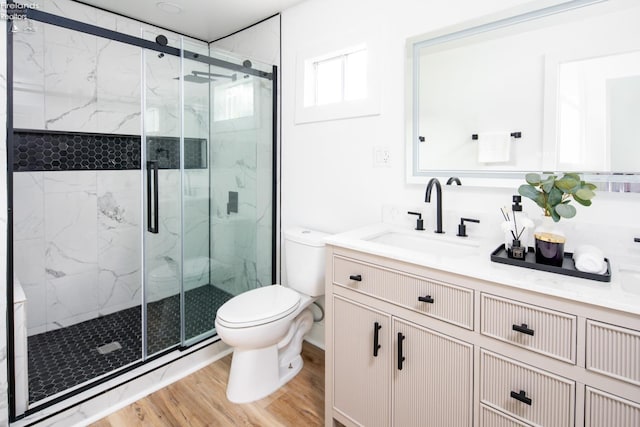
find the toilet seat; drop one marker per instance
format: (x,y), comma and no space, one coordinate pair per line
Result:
(258,306)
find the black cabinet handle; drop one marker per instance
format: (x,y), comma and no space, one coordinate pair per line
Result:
(523,329)
(426,298)
(522,397)
(400,356)
(376,346)
(356,277)
(152,196)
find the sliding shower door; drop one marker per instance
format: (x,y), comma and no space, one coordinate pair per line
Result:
(242,176)
(161,163)
(227,184)
(199,295)
(142,173)
(76,175)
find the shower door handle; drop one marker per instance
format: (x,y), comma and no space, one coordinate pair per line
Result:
(152,196)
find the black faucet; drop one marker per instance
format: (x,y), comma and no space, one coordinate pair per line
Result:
(427,199)
(454,179)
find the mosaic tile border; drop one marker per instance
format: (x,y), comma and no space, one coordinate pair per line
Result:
(166,150)
(38,151)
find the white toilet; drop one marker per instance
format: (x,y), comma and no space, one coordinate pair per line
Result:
(266,326)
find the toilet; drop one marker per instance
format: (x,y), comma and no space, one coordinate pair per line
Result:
(266,326)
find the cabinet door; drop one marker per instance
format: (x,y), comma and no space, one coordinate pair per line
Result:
(433,378)
(361,374)
(604,410)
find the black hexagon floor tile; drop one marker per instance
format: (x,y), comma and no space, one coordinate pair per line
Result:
(63,358)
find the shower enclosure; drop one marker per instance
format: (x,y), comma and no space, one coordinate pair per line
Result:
(142,190)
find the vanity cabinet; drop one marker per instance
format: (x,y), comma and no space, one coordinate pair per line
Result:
(408,345)
(390,371)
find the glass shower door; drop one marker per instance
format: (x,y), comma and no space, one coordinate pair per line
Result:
(228,199)
(162,204)
(199,295)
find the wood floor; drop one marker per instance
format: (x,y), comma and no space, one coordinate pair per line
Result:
(200,400)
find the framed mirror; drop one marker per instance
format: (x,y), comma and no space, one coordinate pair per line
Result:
(556,88)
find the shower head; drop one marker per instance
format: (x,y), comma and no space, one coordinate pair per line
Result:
(195,79)
(203,77)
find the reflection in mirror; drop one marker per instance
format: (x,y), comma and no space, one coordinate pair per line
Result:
(566,79)
(598,105)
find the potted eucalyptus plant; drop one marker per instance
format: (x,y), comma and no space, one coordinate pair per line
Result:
(554,196)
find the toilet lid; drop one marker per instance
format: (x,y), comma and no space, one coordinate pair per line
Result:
(258,306)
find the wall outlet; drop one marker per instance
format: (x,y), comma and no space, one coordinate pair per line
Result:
(381,157)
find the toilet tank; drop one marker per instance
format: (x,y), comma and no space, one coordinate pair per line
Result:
(305,260)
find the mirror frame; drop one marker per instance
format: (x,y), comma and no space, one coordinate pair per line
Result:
(606,181)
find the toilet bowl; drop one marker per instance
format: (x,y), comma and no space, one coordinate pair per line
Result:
(266,326)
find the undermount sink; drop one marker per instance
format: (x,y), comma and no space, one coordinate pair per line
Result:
(428,243)
(630,279)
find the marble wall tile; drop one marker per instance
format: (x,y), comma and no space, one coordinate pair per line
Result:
(28,205)
(118,87)
(69,216)
(92,84)
(70,182)
(28,85)
(71,298)
(119,199)
(102,207)
(29,268)
(70,80)
(118,291)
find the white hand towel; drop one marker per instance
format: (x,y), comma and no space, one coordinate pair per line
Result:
(589,259)
(494,147)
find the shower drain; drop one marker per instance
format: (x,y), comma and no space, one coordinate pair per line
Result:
(109,348)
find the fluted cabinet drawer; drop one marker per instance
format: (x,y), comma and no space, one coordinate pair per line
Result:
(453,304)
(490,417)
(605,410)
(549,332)
(613,351)
(506,383)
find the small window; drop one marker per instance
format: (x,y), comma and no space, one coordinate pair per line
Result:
(338,83)
(233,101)
(337,77)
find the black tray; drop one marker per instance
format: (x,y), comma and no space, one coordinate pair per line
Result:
(568,265)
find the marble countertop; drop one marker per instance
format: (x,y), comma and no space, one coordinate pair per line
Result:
(475,261)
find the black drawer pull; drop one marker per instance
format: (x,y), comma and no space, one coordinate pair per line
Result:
(356,277)
(522,397)
(426,298)
(400,356)
(523,329)
(376,346)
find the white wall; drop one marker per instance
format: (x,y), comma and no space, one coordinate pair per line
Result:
(329,181)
